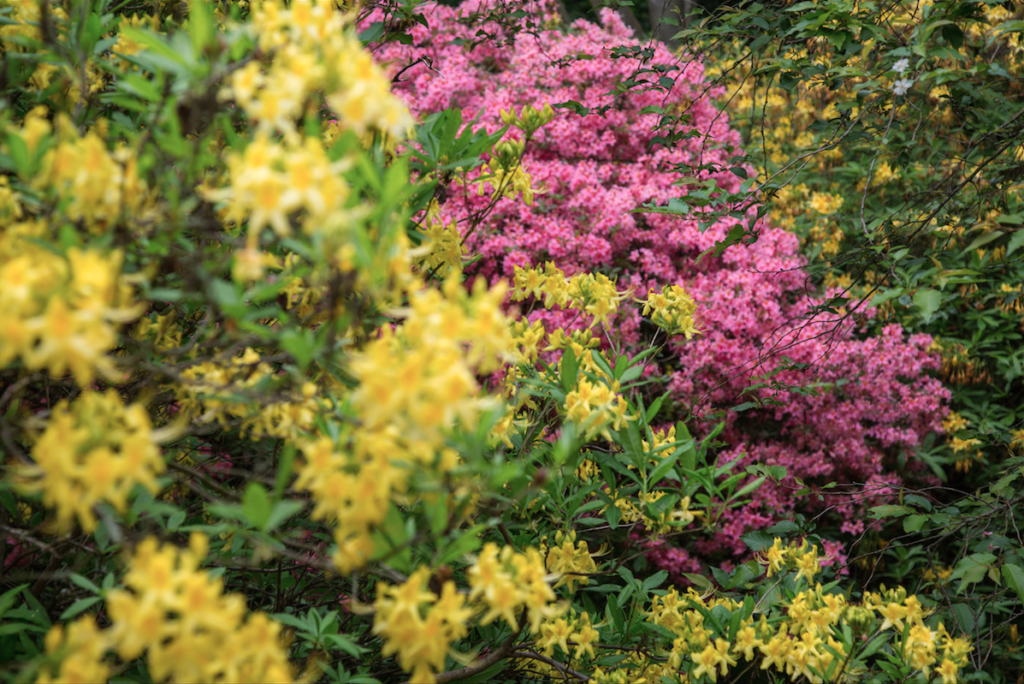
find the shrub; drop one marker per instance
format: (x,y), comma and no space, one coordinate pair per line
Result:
(797,383)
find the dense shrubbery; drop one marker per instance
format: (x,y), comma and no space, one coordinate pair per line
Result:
(297,385)
(888,139)
(833,407)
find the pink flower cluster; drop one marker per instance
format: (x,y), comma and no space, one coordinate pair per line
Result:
(873,398)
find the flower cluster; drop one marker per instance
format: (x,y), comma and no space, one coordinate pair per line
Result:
(223,391)
(419,625)
(669,519)
(600,169)
(595,407)
(814,634)
(673,310)
(189,628)
(95,450)
(802,557)
(507,582)
(422,626)
(77,651)
(505,173)
(315,53)
(97,185)
(270,180)
(60,313)
(588,293)
(417,381)
(571,560)
(180,617)
(444,244)
(562,630)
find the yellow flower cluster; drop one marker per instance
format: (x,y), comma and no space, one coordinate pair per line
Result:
(528,339)
(98,186)
(95,450)
(269,181)
(806,642)
(224,391)
(505,173)
(529,119)
(954,423)
(921,648)
(416,382)
(672,309)
(190,630)
(571,560)
(354,491)
(177,616)
(419,625)
(667,521)
(59,313)
(656,448)
(562,630)
(803,558)
(586,292)
(315,54)
(75,654)
(24,21)
(443,250)
(507,582)
(1013,302)
(595,407)
(420,377)
(826,203)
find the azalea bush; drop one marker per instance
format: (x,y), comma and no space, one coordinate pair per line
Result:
(274,409)
(887,139)
(628,184)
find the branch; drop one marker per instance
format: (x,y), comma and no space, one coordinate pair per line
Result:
(487,661)
(564,669)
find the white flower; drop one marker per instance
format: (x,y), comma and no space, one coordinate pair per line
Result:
(902,65)
(902,86)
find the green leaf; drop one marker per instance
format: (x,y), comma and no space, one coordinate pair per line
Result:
(747,488)
(1015,243)
(928,301)
(256,505)
(1014,578)
(8,597)
(201,25)
(972,569)
(282,511)
(284,470)
(662,468)
(570,370)
(700,581)
(913,523)
(758,540)
(616,616)
(688,459)
(20,627)
(345,644)
(466,543)
(300,344)
(890,511)
(80,606)
(85,583)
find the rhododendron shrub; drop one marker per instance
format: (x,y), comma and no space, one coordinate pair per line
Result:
(808,390)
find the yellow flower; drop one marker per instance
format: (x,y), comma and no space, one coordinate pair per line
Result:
(746,642)
(712,657)
(807,564)
(948,671)
(773,557)
(94,450)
